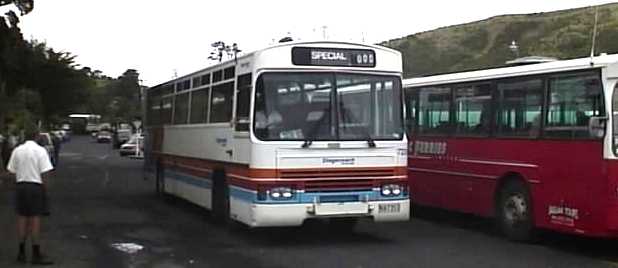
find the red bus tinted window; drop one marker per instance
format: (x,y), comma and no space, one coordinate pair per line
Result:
(473,110)
(573,99)
(411,101)
(434,110)
(519,108)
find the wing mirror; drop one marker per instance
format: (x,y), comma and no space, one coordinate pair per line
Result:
(596,126)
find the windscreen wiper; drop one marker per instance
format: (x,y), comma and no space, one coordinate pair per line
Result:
(313,130)
(370,142)
(307,143)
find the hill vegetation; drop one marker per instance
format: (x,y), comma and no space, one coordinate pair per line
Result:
(561,34)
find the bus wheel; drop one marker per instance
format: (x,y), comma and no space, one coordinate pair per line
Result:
(343,224)
(515,211)
(220,198)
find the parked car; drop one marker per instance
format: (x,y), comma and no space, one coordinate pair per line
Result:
(129,147)
(91,127)
(122,134)
(104,136)
(45,140)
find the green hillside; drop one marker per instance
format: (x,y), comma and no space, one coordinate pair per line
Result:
(562,34)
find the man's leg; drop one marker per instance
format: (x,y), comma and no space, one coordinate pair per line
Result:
(35,229)
(21,233)
(37,256)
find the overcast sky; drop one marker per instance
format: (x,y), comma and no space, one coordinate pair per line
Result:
(159,38)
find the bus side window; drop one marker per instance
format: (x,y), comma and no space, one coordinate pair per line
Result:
(411,104)
(243,97)
(473,110)
(166,110)
(221,103)
(573,99)
(519,108)
(434,111)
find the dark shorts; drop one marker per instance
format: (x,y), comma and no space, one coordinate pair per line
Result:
(30,199)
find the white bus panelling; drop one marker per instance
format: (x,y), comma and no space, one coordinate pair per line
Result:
(241,210)
(202,141)
(242,148)
(274,215)
(387,153)
(387,60)
(198,195)
(335,159)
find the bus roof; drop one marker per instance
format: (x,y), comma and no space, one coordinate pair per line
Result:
(231,62)
(524,70)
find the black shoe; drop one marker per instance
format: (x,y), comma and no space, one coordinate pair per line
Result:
(21,258)
(41,260)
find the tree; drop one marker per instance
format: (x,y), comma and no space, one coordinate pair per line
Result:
(36,82)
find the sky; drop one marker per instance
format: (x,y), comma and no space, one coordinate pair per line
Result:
(162,39)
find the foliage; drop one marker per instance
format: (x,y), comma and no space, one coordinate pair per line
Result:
(38,83)
(563,34)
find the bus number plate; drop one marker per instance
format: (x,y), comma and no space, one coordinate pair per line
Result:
(389,208)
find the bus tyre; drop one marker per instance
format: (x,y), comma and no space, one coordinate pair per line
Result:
(221,199)
(515,211)
(343,224)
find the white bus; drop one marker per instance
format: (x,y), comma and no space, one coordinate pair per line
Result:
(284,134)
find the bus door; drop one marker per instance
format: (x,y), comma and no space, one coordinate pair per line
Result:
(572,100)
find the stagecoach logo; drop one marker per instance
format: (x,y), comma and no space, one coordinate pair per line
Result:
(327,55)
(338,161)
(563,215)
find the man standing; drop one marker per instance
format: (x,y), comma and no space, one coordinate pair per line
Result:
(31,166)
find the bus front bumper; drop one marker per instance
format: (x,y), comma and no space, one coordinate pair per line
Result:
(264,215)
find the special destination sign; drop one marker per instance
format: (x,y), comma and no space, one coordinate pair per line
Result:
(344,57)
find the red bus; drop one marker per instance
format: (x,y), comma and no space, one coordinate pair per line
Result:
(530,145)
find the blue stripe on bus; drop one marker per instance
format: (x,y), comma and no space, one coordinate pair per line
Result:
(299,198)
(310,198)
(189,179)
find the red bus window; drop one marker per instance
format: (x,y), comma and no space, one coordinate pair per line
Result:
(519,108)
(434,110)
(411,101)
(473,110)
(573,99)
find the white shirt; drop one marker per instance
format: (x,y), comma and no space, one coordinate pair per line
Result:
(28,161)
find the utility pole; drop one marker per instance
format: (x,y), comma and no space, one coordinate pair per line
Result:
(324,32)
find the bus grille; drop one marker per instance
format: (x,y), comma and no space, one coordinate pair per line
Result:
(347,185)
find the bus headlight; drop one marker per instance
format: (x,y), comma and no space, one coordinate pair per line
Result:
(391,190)
(281,193)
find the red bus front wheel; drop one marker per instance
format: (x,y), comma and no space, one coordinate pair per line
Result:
(515,211)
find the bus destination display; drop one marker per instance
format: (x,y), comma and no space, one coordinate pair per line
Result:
(315,56)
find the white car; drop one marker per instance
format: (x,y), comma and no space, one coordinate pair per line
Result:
(104,136)
(129,147)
